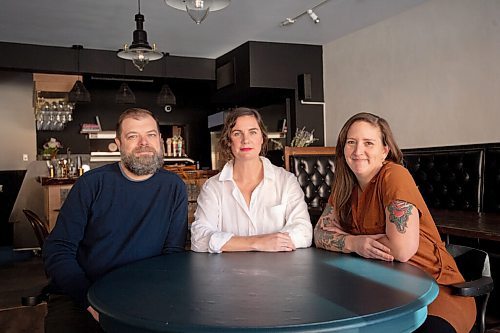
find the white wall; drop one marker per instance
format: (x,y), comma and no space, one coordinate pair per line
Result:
(433,72)
(18,134)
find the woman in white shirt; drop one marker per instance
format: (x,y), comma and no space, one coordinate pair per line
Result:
(251,205)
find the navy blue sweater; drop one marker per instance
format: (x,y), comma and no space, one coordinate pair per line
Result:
(108,221)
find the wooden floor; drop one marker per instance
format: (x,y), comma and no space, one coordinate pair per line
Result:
(17,279)
(27,277)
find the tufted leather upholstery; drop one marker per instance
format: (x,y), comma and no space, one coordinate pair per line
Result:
(315,176)
(315,172)
(448,178)
(491,199)
(454,177)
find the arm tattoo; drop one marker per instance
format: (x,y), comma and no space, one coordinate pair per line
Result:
(399,213)
(327,216)
(329,240)
(325,239)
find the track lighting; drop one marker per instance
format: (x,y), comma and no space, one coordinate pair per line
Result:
(313,16)
(310,12)
(288,21)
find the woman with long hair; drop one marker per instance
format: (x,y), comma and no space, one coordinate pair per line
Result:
(377,211)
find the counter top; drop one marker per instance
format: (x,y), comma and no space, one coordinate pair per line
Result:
(47,181)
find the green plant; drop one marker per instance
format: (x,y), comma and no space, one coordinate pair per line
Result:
(51,147)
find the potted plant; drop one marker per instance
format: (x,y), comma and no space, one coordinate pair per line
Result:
(50,149)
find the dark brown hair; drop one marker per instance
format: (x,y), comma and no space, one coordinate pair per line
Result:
(230,121)
(345,180)
(137,114)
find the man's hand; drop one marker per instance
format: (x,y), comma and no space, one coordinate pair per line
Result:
(94,313)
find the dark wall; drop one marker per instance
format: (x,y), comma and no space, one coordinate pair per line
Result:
(190,111)
(52,59)
(263,74)
(11,181)
(269,71)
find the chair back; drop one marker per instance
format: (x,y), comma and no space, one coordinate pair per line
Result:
(314,168)
(474,264)
(39,227)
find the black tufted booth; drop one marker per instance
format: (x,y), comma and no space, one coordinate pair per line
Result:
(448,179)
(457,177)
(314,168)
(491,198)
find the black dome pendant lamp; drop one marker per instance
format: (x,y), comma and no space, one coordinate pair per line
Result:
(140,52)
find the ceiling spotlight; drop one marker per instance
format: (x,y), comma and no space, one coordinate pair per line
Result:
(313,15)
(287,22)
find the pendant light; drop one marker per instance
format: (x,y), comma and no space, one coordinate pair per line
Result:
(140,52)
(78,94)
(166,97)
(198,9)
(125,95)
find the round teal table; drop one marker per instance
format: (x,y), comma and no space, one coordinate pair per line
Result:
(308,290)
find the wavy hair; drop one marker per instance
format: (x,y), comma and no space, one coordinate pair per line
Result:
(345,180)
(230,121)
(135,113)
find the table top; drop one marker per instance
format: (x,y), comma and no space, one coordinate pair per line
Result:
(307,290)
(468,223)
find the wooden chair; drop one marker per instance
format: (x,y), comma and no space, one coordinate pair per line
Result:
(292,152)
(39,227)
(41,232)
(314,168)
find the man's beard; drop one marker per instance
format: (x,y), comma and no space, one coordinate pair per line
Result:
(143,164)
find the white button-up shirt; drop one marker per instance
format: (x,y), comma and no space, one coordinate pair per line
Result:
(276,205)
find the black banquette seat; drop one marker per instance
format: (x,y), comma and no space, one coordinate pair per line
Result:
(448,178)
(314,168)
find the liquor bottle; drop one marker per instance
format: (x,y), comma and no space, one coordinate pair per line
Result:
(174,146)
(169,146)
(179,146)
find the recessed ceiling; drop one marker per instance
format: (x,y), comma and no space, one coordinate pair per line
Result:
(108,24)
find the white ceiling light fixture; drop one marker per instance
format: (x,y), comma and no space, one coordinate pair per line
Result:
(313,16)
(140,52)
(198,9)
(310,12)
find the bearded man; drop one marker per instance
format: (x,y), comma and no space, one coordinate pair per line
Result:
(114,215)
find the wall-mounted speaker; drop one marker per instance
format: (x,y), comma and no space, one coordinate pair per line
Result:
(304,87)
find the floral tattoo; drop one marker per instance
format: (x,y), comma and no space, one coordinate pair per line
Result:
(326,239)
(399,213)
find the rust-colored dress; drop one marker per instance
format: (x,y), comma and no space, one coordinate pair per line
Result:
(394,182)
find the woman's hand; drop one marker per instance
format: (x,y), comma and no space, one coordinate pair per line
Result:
(276,242)
(368,246)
